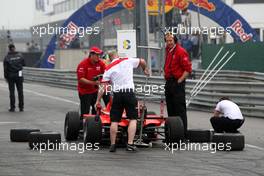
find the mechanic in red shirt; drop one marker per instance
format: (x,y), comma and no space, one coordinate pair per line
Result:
(176,69)
(87,87)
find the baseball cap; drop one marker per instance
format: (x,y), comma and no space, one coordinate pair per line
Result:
(96,50)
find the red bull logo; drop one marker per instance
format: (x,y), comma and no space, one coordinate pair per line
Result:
(106,4)
(69,36)
(237,27)
(153,4)
(204,4)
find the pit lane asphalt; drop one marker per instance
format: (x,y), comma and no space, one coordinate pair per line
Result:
(45,108)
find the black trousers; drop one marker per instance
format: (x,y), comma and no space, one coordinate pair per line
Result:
(88,100)
(224,124)
(18,83)
(175,99)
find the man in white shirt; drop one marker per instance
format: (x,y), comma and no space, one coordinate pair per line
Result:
(227,116)
(120,75)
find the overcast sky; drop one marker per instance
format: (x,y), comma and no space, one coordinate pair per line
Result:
(16,14)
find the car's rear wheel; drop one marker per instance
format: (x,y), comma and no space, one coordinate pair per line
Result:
(92,130)
(72,126)
(174,130)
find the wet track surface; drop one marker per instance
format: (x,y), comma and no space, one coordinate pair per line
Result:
(45,108)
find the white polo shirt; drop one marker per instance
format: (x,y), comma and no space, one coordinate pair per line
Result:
(229,109)
(120,73)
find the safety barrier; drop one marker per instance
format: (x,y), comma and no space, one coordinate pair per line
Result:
(248,94)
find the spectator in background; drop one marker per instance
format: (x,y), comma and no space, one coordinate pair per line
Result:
(195,46)
(33,47)
(186,44)
(186,18)
(13,66)
(153,62)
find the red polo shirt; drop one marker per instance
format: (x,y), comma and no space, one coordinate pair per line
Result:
(88,70)
(177,61)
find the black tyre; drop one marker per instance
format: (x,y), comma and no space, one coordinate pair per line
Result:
(92,130)
(197,135)
(174,130)
(230,141)
(21,135)
(44,140)
(72,126)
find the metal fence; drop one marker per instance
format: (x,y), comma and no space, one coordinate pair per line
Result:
(244,88)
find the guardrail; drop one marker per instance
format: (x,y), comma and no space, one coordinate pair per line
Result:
(235,75)
(227,75)
(249,95)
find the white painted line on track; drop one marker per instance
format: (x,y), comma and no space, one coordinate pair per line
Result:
(255,147)
(3,123)
(51,97)
(45,95)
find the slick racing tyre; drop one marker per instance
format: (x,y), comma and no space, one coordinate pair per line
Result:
(92,130)
(200,136)
(72,126)
(21,135)
(44,140)
(174,130)
(231,141)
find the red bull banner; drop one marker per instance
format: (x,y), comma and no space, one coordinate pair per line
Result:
(90,13)
(226,17)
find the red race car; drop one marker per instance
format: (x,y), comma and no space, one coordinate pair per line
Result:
(95,128)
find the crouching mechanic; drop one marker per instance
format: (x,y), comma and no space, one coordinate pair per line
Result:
(120,75)
(87,87)
(231,118)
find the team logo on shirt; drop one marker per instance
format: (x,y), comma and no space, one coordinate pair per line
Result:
(81,70)
(98,68)
(126,44)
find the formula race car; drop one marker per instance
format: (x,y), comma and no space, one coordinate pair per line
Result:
(95,128)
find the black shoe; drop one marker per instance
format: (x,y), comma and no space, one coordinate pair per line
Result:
(131,148)
(11,110)
(21,109)
(112,148)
